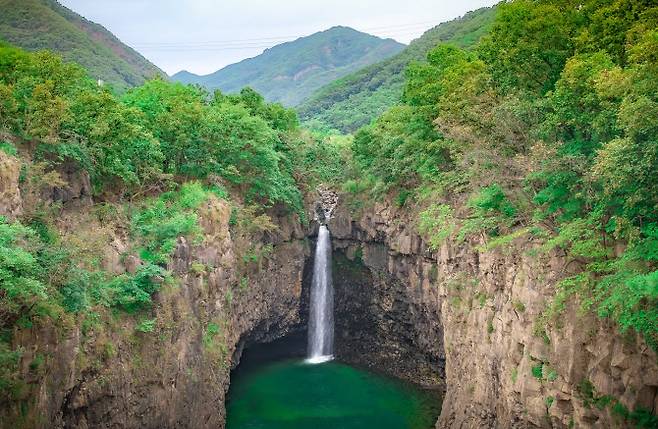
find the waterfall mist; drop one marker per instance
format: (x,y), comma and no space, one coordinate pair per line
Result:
(321,317)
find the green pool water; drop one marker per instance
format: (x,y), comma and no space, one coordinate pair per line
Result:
(292,394)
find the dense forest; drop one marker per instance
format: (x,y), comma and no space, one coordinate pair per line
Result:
(544,127)
(547,128)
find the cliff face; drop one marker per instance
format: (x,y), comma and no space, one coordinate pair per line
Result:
(478,311)
(11,203)
(175,374)
(459,320)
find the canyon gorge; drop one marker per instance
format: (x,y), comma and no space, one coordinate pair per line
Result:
(460,320)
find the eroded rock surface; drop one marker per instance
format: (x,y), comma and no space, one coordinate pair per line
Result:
(176,376)
(484,306)
(11,204)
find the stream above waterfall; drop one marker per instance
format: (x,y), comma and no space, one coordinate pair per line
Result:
(274,388)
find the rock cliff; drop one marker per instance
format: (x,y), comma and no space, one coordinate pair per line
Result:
(477,311)
(461,320)
(176,374)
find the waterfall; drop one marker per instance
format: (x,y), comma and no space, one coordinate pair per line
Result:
(321,318)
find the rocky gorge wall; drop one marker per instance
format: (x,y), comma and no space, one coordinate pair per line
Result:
(476,311)
(107,371)
(458,319)
(174,374)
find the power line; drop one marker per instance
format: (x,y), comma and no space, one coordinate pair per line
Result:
(202,48)
(254,46)
(401,29)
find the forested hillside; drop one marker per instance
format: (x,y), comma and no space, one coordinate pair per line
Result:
(288,73)
(548,130)
(45,24)
(357,99)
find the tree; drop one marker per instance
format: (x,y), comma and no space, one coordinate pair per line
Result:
(528,45)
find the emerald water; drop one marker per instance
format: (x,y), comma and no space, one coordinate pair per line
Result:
(293,394)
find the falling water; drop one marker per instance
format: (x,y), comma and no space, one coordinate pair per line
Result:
(321,319)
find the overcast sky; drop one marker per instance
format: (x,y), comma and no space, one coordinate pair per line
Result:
(203,36)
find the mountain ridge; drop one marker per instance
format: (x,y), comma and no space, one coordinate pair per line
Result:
(291,71)
(47,24)
(355,99)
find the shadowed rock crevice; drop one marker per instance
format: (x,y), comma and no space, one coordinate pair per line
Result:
(378,325)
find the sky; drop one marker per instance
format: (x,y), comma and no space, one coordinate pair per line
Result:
(202,36)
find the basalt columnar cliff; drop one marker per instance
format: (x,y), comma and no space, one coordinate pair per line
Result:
(457,320)
(469,316)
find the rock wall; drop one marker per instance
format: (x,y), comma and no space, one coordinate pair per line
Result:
(111,375)
(460,319)
(383,326)
(485,304)
(11,204)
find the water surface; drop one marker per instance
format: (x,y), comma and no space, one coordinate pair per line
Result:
(292,394)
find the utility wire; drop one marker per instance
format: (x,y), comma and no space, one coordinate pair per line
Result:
(396,30)
(253,46)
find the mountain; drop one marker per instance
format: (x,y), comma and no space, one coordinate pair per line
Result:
(186,77)
(358,98)
(46,24)
(288,73)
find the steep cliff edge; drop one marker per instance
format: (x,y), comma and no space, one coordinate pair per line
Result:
(487,303)
(462,320)
(178,375)
(168,366)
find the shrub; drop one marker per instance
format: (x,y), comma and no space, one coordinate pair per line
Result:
(20,272)
(159,224)
(436,224)
(146,326)
(8,148)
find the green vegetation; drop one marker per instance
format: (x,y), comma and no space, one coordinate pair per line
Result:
(164,219)
(45,24)
(8,148)
(540,128)
(215,344)
(146,326)
(155,134)
(356,99)
(290,72)
(539,119)
(639,417)
(538,371)
(156,157)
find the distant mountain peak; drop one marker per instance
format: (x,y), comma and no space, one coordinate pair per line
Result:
(291,71)
(356,99)
(184,74)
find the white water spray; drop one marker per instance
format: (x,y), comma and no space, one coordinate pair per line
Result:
(321,318)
